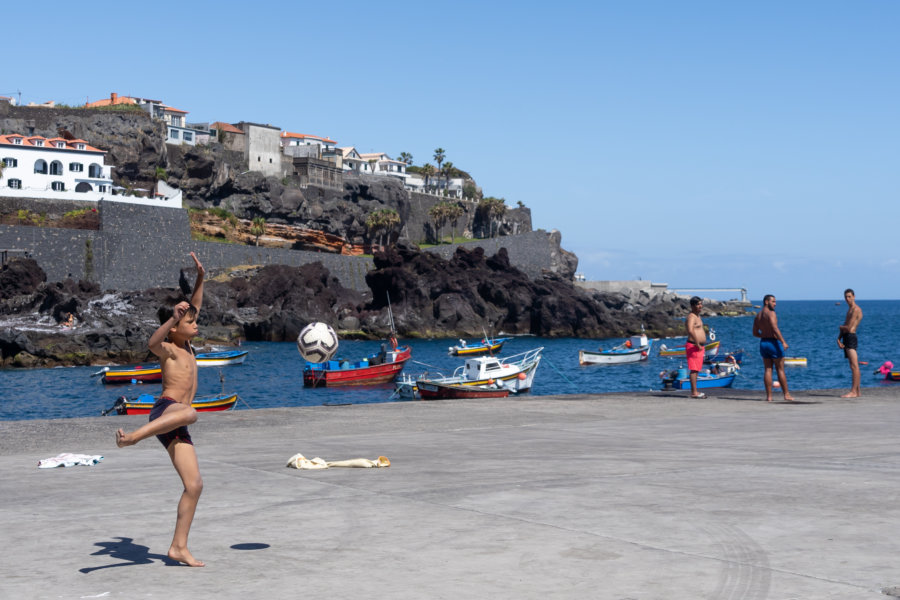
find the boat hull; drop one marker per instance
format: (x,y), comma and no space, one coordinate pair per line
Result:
(479,349)
(144,403)
(794,361)
(711,348)
(430,390)
(333,374)
(221,359)
(586,357)
(703,382)
(148,375)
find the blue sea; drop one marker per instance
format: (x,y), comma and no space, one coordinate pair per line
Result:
(271,375)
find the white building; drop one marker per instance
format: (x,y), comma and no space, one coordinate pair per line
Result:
(58,169)
(379,163)
(293,140)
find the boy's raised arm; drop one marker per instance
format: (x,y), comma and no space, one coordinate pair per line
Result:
(197,296)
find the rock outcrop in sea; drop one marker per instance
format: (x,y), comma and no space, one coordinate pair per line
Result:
(430,297)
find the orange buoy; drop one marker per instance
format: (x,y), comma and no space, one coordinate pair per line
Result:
(522,376)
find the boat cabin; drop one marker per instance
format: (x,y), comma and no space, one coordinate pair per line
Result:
(485,367)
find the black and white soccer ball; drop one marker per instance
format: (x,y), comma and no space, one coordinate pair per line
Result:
(317,342)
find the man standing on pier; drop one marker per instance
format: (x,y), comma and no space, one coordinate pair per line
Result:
(771,346)
(848,342)
(696,344)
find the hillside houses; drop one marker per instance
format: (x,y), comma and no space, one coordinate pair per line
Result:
(309,158)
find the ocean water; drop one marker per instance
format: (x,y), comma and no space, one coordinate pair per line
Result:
(271,375)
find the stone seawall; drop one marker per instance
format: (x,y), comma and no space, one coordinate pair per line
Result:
(144,246)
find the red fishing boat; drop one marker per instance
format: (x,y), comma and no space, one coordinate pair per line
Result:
(381,367)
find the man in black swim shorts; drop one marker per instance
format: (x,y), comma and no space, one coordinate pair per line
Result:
(848,341)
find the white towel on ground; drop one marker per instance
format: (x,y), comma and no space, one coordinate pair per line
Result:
(67,459)
(298,461)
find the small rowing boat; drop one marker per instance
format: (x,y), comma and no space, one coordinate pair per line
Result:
(433,390)
(710,348)
(485,346)
(221,358)
(634,349)
(131,375)
(721,375)
(144,403)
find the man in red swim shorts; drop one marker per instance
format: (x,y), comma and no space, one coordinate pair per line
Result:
(695,344)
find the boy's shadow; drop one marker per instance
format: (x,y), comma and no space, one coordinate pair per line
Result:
(129,553)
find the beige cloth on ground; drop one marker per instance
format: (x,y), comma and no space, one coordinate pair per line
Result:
(298,461)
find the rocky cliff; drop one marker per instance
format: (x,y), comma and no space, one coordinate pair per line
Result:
(430,297)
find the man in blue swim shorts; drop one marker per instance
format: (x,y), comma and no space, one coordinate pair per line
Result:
(771,346)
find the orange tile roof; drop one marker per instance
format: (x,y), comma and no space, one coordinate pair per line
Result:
(29,142)
(111,102)
(301,136)
(227,127)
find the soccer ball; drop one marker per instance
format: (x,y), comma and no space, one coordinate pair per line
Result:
(317,342)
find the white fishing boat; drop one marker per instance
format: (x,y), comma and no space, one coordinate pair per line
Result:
(634,349)
(515,373)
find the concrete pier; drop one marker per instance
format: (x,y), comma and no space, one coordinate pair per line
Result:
(619,496)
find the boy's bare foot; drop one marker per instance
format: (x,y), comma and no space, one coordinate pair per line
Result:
(769,399)
(122,439)
(850,395)
(788,398)
(184,556)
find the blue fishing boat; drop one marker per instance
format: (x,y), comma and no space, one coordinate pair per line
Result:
(220,358)
(485,346)
(721,375)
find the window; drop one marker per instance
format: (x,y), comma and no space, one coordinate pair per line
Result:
(173,134)
(95,171)
(58,186)
(11,162)
(60,144)
(17,141)
(102,188)
(76,167)
(40,166)
(15,184)
(39,143)
(79,146)
(188,136)
(56,168)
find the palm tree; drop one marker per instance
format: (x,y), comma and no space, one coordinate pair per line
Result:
(406,157)
(383,220)
(372,163)
(454,212)
(427,171)
(257,228)
(447,171)
(493,209)
(438,214)
(439,156)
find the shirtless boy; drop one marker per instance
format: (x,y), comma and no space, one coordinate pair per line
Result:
(173,412)
(771,346)
(696,343)
(848,342)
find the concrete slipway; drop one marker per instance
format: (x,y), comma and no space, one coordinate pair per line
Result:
(620,496)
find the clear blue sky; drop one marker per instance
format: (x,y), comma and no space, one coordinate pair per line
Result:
(701,144)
